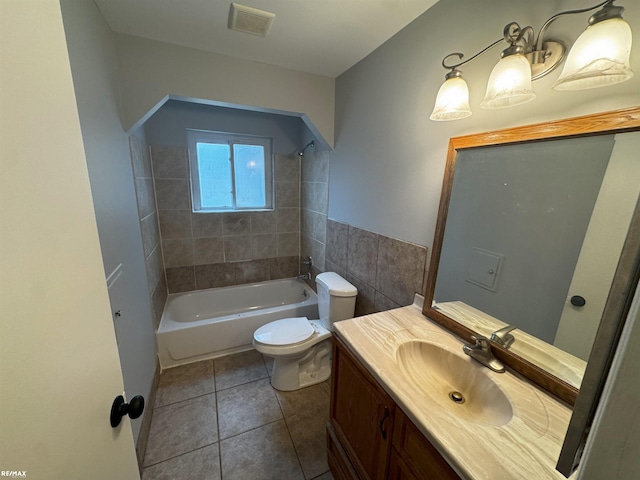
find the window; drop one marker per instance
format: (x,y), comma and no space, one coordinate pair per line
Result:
(230,172)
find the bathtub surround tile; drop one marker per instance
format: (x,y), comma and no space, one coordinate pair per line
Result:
(175,223)
(246,407)
(184,382)
(315,196)
(201,464)
(238,369)
(236,224)
(140,158)
(146,196)
(400,269)
(180,279)
(177,252)
(170,169)
(288,220)
(172,194)
(150,233)
(288,244)
(265,453)
(287,168)
(169,162)
(206,224)
(237,248)
(214,275)
(362,255)
(263,222)
(263,246)
(208,250)
(314,224)
(337,241)
(283,267)
(287,194)
(315,167)
(154,266)
(311,247)
(158,300)
(182,427)
(251,271)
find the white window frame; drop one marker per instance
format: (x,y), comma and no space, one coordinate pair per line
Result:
(204,136)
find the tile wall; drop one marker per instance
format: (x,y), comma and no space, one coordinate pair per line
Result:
(314,201)
(141,162)
(387,272)
(206,250)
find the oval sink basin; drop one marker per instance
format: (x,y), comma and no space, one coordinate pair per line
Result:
(457,383)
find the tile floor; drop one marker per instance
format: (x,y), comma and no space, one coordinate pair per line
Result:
(221,420)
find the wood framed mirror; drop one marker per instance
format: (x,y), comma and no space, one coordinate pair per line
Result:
(493,265)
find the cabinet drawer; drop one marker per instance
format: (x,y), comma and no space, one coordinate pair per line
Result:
(416,453)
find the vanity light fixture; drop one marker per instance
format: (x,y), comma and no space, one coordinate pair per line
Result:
(599,57)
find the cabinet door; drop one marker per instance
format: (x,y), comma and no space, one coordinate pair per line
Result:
(413,455)
(361,415)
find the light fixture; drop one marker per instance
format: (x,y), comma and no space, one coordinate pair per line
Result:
(599,57)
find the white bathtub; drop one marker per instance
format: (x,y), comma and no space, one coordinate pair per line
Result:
(219,321)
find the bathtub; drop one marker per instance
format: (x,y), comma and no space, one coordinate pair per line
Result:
(215,322)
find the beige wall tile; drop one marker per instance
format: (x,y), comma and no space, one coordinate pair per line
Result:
(208,250)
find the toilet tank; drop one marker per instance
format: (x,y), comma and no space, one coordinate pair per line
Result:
(336,298)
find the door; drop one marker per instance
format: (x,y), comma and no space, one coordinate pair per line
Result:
(601,248)
(59,367)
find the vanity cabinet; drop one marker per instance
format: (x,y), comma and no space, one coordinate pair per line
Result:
(361,420)
(368,436)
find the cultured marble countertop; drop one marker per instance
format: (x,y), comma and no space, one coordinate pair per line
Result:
(526,447)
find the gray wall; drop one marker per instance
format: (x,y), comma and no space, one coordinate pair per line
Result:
(386,170)
(531,204)
(167,126)
(94,69)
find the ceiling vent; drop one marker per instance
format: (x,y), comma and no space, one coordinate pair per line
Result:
(250,20)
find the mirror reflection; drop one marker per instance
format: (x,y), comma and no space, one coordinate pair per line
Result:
(532,240)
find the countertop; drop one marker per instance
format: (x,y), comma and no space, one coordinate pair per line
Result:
(526,447)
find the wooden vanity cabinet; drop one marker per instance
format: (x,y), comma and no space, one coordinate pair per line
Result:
(360,420)
(368,437)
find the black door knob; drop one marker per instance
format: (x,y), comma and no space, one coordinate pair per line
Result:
(119,409)
(578,301)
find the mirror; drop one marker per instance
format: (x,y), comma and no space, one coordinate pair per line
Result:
(531,226)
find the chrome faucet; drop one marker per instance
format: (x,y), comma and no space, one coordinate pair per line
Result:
(481,352)
(309,263)
(503,337)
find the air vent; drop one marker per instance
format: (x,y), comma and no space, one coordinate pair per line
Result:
(250,20)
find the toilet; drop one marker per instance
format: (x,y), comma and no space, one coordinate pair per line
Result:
(301,348)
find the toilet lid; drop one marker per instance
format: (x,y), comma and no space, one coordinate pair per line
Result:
(284,332)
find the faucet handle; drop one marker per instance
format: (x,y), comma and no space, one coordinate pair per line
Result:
(480,341)
(503,337)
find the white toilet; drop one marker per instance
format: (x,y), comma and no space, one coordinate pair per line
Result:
(301,348)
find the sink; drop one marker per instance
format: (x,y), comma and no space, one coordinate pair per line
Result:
(455,382)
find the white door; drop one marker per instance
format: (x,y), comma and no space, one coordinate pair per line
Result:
(601,248)
(59,367)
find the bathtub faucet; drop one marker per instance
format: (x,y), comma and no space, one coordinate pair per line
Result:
(309,263)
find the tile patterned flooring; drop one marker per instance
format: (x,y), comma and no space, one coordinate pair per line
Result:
(221,420)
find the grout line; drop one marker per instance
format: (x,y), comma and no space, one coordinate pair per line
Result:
(179,455)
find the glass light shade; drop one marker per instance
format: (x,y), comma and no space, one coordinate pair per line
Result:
(509,83)
(599,57)
(452,102)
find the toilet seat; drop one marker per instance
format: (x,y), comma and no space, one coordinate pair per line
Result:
(311,331)
(283,332)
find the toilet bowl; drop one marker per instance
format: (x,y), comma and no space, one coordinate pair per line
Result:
(301,348)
